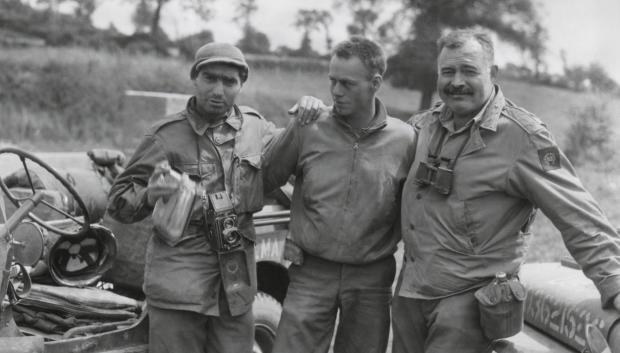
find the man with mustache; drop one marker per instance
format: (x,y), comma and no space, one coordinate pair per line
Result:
(218,144)
(349,168)
(482,167)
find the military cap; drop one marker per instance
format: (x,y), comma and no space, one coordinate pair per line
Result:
(219,53)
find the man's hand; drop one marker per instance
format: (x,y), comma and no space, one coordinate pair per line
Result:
(163,183)
(308,109)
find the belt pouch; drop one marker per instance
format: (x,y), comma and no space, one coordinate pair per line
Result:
(236,281)
(501,304)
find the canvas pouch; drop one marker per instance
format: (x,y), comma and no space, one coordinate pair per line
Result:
(171,217)
(501,305)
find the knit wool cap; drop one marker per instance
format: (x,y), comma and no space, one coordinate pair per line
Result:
(219,53)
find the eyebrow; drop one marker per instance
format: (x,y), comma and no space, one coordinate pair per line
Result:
(220,76)
(341,79)
(462,66)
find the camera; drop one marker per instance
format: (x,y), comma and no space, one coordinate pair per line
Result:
(224,236)
(223,232)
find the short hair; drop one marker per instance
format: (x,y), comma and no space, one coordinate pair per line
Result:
(368,51)
(457,38)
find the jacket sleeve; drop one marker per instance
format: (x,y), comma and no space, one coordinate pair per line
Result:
(543,175)
(270,132)
(127,202)
(412,148)
(281,156)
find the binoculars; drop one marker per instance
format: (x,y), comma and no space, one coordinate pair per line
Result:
(436,176)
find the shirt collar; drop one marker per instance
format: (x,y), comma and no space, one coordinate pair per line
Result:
(200,125)
(493,110)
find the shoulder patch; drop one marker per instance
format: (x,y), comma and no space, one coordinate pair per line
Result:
(251,111)
(549,158)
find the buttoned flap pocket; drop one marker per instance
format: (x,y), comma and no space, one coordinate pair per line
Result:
(191,169)
(254,161)
(197,171)
(248,184)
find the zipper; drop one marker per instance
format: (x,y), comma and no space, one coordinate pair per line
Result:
(351,176)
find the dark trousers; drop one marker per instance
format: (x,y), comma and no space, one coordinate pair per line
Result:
(176,331)
(448,325)
(319,289)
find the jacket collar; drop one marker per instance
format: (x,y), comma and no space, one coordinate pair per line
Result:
(200,125)
(487,120)
(378,122)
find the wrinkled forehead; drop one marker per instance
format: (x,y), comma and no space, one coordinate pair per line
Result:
(470,53)
(348,68)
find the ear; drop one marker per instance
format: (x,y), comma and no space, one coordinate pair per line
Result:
(376,82)
(494,71)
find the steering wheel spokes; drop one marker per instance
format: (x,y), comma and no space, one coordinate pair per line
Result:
(61,211)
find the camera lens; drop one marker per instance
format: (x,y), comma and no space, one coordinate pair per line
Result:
(232,238)
(229,223)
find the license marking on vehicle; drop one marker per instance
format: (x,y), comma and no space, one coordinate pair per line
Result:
(270,249)
(560,319)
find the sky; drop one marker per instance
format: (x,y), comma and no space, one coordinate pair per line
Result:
(587,30)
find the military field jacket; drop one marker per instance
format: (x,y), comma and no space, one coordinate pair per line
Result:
(346,200)
(509,166)
(227,157)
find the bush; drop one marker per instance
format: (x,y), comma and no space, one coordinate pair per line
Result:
(254,41)
(188,45)
(76,94)
(589,137)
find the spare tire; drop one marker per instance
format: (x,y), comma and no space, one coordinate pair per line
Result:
(267,313)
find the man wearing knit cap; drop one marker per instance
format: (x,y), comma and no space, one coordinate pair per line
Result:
(192,307)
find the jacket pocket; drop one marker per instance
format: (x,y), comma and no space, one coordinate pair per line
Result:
(248,184)
(198,171)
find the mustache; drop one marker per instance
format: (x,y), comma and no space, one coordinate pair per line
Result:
(457,90)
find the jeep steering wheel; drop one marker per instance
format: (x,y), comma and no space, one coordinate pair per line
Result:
(72,225)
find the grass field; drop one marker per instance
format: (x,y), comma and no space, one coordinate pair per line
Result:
(73,99)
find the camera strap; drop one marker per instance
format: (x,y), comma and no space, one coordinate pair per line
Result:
(434,147)
(452,162)
(431,172)
(437,155)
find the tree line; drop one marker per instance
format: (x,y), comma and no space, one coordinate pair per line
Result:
(410,33)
